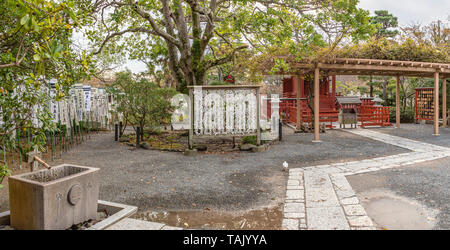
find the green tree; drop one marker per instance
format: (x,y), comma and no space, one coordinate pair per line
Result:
(386,24)
(141,102)
(35,46)
(200,35)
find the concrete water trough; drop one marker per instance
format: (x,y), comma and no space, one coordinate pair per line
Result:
(53,198)
(115,212)
(59,198)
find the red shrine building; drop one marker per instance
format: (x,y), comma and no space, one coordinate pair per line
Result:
(334,109)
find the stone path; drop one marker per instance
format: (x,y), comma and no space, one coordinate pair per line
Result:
(320,197)
(134,224)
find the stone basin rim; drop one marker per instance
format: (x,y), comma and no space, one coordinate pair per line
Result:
(20,177)
(122,211)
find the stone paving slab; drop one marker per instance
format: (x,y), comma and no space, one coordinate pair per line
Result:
(135,224)
(326,218)
(321,197)
(330,203)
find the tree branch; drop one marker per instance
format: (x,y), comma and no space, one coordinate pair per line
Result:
(121,33)
(225,59)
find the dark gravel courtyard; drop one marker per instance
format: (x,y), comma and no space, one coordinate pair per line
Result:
(161,181)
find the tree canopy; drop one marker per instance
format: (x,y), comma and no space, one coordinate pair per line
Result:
(386,23)
(196,36)
(141,102)
(35,46)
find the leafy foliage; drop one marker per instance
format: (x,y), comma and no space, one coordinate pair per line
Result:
(386,24)
(35,46)
(249,140)
(189,38)
(406,50)
(142,102)
(4,172)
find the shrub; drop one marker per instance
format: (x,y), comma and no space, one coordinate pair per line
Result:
(4,172)
(406,115)
(142,102)
(249,140)
(220,83)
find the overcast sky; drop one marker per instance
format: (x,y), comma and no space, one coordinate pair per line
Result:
(407,11)
(411,11)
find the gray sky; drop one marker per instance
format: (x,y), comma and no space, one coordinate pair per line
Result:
(407,11)
(411,11)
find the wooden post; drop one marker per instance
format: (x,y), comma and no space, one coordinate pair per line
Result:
(116,132)
(258,126)
(294,80)
(444,103)
(280,130)
(316,105)
(397,103)
(299,92)
(436,103)
(52,145)
(191,118)
(33,164)
(333,86)
(60,140)
(19,146)
(417,107)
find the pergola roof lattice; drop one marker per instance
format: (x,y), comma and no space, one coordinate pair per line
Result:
(352,66)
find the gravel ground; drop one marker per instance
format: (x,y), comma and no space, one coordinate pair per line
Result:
(158,181)
(427,183)
(420,132)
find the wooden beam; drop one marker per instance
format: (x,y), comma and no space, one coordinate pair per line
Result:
(333,86)
(378,61)
(373,67)
(191,118)
(436,103)
(444,103)
(258,117)
(351,66)
(397,103)
(316,104)
(299,106)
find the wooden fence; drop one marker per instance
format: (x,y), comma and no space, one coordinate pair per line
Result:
(374,116)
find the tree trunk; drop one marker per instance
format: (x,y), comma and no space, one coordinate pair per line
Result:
(219,70)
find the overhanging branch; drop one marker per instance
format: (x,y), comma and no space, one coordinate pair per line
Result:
(134,30)
(225,59)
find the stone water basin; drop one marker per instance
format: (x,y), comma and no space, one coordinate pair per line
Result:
(53,198)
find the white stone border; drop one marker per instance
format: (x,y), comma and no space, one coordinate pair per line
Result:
(320,197)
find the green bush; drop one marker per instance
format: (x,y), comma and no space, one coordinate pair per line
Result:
(406,115)
(249,140)
(4,172)
(220,83)
(142,102)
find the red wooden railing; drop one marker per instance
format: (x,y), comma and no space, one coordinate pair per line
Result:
(328,111)
(374,116)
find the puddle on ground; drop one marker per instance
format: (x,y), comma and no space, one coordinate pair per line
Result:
(393,212)
(264,219)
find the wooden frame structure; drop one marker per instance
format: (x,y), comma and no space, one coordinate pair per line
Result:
(229,87)
(296,88)
(424,104)
(354,66)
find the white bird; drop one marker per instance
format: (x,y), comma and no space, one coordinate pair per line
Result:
(285,165)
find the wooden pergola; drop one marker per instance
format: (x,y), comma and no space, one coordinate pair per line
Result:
(350,66)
